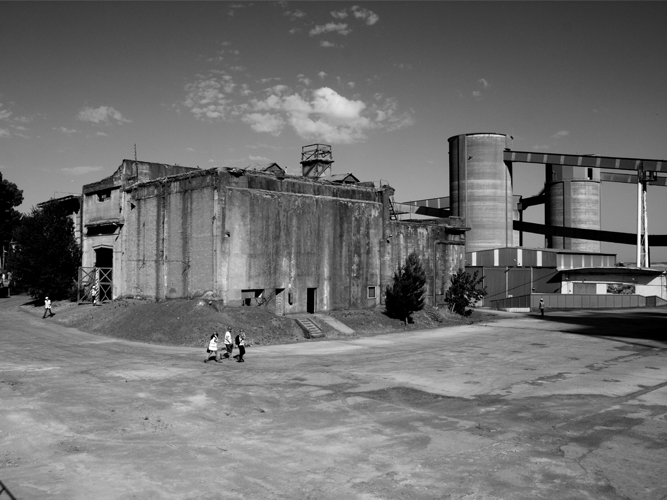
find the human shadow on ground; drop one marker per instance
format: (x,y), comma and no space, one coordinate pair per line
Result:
(629,326)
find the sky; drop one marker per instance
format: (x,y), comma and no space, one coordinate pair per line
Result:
(233,84)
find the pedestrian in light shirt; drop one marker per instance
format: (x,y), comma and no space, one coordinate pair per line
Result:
(229,343)
(47,308)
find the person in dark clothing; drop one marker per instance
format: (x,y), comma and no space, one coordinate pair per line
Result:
(240,341)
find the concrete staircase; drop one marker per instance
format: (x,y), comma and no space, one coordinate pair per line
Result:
(310,329)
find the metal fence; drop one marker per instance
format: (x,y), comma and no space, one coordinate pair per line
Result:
(95,285)
(577,301)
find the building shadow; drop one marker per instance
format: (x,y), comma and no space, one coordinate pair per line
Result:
(628,326)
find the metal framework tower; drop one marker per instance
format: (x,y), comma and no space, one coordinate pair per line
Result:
(316,159)
(643,254)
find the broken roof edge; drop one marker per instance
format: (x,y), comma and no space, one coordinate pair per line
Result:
(238,172)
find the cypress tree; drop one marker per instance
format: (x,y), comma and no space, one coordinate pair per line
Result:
(406,293)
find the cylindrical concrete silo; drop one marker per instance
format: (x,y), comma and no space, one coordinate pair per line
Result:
(572,200)
(480,189)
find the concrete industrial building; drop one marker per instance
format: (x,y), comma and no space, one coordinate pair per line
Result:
(258,237)
(322,241)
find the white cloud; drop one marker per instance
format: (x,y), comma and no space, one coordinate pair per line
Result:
(483,82)
(476,93)
(65,130)
(208,98)
(368,16)
(340,14)
(81,170)
(267,80)
(4,132)
(258,158)
(295,14)
(265,122)
(340,28)
(321,74)
(303,79)
(4,113)
(294,31)
(326,44)
(323,114)
(103,114)
(101,134)
(560,134)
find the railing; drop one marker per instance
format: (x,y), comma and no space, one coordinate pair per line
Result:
(577,301)
(95,285)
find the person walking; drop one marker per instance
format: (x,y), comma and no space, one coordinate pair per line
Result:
(94,291)
(240,341)
(212,348)
(47,308)
(229,343)
(541,306)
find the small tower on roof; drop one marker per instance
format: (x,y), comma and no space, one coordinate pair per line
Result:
(316,159)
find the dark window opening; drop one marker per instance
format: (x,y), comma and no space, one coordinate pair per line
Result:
(103,196)
(371,292)
(252,297)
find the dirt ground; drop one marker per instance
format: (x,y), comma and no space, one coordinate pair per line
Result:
(191,322)
(569,406)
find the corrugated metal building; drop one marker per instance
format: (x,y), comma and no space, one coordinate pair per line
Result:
(513,271)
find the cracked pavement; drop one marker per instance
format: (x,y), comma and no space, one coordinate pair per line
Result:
(572,406)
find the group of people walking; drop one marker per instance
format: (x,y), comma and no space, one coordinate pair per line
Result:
(212,349)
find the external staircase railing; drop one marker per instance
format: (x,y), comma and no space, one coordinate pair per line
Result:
(95,285)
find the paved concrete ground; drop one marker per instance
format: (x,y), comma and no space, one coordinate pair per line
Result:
(573,406)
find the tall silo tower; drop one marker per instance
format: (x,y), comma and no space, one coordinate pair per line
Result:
(480,189)
(572,200)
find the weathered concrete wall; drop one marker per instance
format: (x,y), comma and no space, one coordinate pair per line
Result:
(255,238)
(225,232)
(440,247)
(168,238)
(96,211)
(300,241)
(293,234)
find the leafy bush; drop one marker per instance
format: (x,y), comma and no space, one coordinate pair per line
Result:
(406,294)
(464,291)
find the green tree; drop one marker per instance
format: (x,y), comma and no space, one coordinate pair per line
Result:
(406,294)
(10,196)
(464,291)
(47,257)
